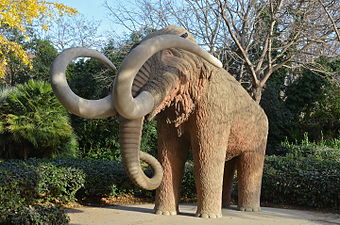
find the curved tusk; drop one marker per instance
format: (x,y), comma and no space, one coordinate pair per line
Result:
(82,107)
(133,108)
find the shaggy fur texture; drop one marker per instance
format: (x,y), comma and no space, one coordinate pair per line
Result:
(204,108)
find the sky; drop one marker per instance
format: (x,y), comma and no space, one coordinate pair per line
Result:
(94,9)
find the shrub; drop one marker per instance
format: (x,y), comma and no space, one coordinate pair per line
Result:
(102,178)
(18,209)
(301,182)
(188,190)
(98,138)
(63,180)
(33,123)
(25,185)
(37,215)
(323,150)
(36,178)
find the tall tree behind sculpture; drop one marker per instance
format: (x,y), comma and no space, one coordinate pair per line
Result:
(252,38)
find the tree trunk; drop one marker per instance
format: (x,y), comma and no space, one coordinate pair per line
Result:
(257,94)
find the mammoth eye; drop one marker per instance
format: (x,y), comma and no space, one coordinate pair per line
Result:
(185,35)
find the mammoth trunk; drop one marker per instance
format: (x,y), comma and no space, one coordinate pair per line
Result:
(130,138)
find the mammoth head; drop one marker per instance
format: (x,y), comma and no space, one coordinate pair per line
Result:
(155,58)
(148,79)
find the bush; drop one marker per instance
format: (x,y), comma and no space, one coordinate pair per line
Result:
(34,124)
(102,177)
(188,190)
(16,209)
(26,185)
(301,182)
(37,215)
(98,138)
(65,180)
(323,150)
(34,179)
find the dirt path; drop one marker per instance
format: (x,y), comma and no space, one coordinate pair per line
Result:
(143,215)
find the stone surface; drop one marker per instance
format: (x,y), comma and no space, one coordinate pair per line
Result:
(143,215)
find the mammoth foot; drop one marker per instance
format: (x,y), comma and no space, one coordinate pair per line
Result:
(250,209)
(165,213)
(209,215)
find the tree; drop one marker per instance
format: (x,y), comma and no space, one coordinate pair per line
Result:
(313,99)
(42,54)
(74,31)
(253,38)
(309,104)
(33,123)
(17,17)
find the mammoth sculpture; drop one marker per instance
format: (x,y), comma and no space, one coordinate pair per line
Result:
(199,106)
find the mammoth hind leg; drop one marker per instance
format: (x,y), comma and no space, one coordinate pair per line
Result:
(229,171)
(249,173)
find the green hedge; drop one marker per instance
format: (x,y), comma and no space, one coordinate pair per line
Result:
(34,215)
(65,180)
(27,185)
(41,179)
(301,182)
(102,178)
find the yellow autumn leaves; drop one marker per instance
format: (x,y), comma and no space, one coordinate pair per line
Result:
(17,15)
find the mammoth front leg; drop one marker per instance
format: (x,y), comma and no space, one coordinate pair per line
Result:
(172,153)
(209,154)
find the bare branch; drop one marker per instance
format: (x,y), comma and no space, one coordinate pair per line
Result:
(232,34)
(332,20)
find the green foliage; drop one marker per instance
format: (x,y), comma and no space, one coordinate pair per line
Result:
(279,116)
(323,150)
(42,54)
(65,180)
(309,103)
(301,182)
(98,138)
(28,188)
(102,177)
(25,185)
(34,123)
(307,175)
(149,137)
(33,179)
(37,214)
(188,190)
(314,101)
